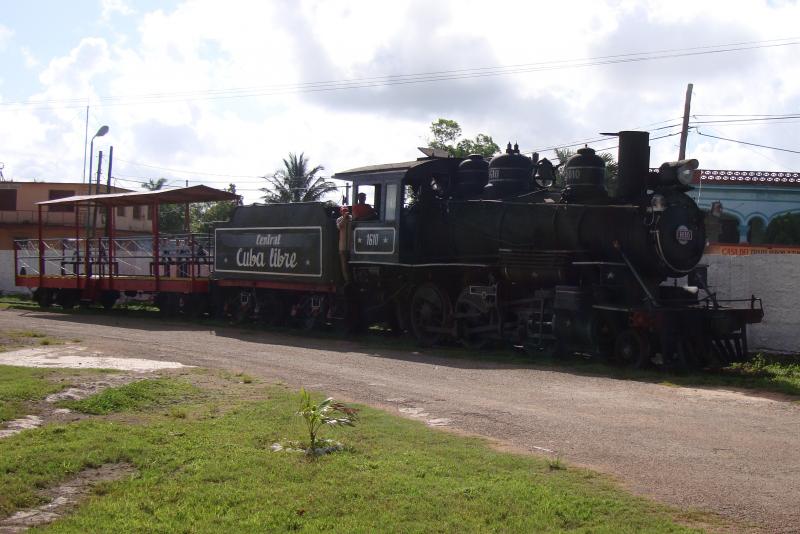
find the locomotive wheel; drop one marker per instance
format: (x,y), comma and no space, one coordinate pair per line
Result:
(43,297)
(108,299)
(632,349)
(472,313)
(67,298)
(430,313)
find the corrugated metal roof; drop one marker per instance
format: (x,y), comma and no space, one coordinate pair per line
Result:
(385,167)
(183,195)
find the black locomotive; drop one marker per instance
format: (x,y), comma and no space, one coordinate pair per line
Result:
(482,252)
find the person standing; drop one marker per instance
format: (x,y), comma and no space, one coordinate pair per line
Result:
(343,224)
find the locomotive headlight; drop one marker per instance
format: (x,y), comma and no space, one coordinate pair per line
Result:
(677,172)
(658,203)
(686,171)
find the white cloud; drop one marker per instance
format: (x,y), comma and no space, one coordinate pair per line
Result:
(109,7)
(30,60)
(5,36)
(199,47)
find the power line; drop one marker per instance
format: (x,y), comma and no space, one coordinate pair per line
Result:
(748,143)
(762,120)
(425,77)
(183,171)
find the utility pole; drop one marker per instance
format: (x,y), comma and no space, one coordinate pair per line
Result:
(85,141)
(108,190)
(186,224)
(685,128)
(97,189)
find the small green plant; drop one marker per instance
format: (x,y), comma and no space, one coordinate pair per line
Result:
(555,464)
(327,412)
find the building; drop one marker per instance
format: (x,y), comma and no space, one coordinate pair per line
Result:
(749,201)
(19,218)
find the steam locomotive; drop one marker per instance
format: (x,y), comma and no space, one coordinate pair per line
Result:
(481,252)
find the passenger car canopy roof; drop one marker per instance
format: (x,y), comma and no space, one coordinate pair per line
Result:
(183,195)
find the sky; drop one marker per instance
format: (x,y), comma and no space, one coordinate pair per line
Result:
(220,92)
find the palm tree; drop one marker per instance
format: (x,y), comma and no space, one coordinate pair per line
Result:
(154,185)
(296,183)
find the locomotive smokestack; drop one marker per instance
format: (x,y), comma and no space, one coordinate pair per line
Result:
(633,164)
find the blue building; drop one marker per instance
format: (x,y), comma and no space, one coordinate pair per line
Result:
(749,201)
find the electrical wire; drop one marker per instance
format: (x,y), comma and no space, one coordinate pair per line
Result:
(425,77)
(748,143)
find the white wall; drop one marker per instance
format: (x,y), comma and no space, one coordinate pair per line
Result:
(771,277)
(7,274)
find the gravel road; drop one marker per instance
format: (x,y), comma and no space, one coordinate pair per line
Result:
(736,454)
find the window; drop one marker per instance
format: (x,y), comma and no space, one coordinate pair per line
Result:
(120,211)
(391,202)
(149,213)
(137,212)
(373,199)
(8,199)
(54,194)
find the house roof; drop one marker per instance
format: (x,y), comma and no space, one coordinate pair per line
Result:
(183,195)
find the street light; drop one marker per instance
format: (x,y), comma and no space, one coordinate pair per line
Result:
(100,133)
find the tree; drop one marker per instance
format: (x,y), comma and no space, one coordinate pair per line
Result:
(154,185)
(170,216)
(784,230)
(296,182)
(445,132)
(204,214)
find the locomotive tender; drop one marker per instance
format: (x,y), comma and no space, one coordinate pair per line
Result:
(459,249)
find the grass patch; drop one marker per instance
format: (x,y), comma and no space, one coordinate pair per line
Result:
(209,471)
(19,385)
(140,395)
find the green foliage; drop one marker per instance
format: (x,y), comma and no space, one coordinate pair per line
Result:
(135,396)
(327,412)
(171,217)
(784,230)
(205,214)
(296,182)
(445,133)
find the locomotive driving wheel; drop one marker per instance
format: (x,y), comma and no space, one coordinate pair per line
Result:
(476,320)
(632,349)
(430,313)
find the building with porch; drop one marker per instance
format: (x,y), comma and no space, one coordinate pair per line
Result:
(749,201)
(19,216)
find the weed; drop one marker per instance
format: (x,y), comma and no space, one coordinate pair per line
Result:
(555,464)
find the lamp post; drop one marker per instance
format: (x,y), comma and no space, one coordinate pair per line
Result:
(100,133)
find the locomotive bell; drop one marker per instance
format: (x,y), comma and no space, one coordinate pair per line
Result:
(509,174)
(585,175)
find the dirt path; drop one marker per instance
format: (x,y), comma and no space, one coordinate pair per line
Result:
(726,452)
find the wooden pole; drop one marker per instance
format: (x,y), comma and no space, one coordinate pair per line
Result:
(685,127)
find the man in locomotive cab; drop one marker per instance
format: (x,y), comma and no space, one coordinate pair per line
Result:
(363,211)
